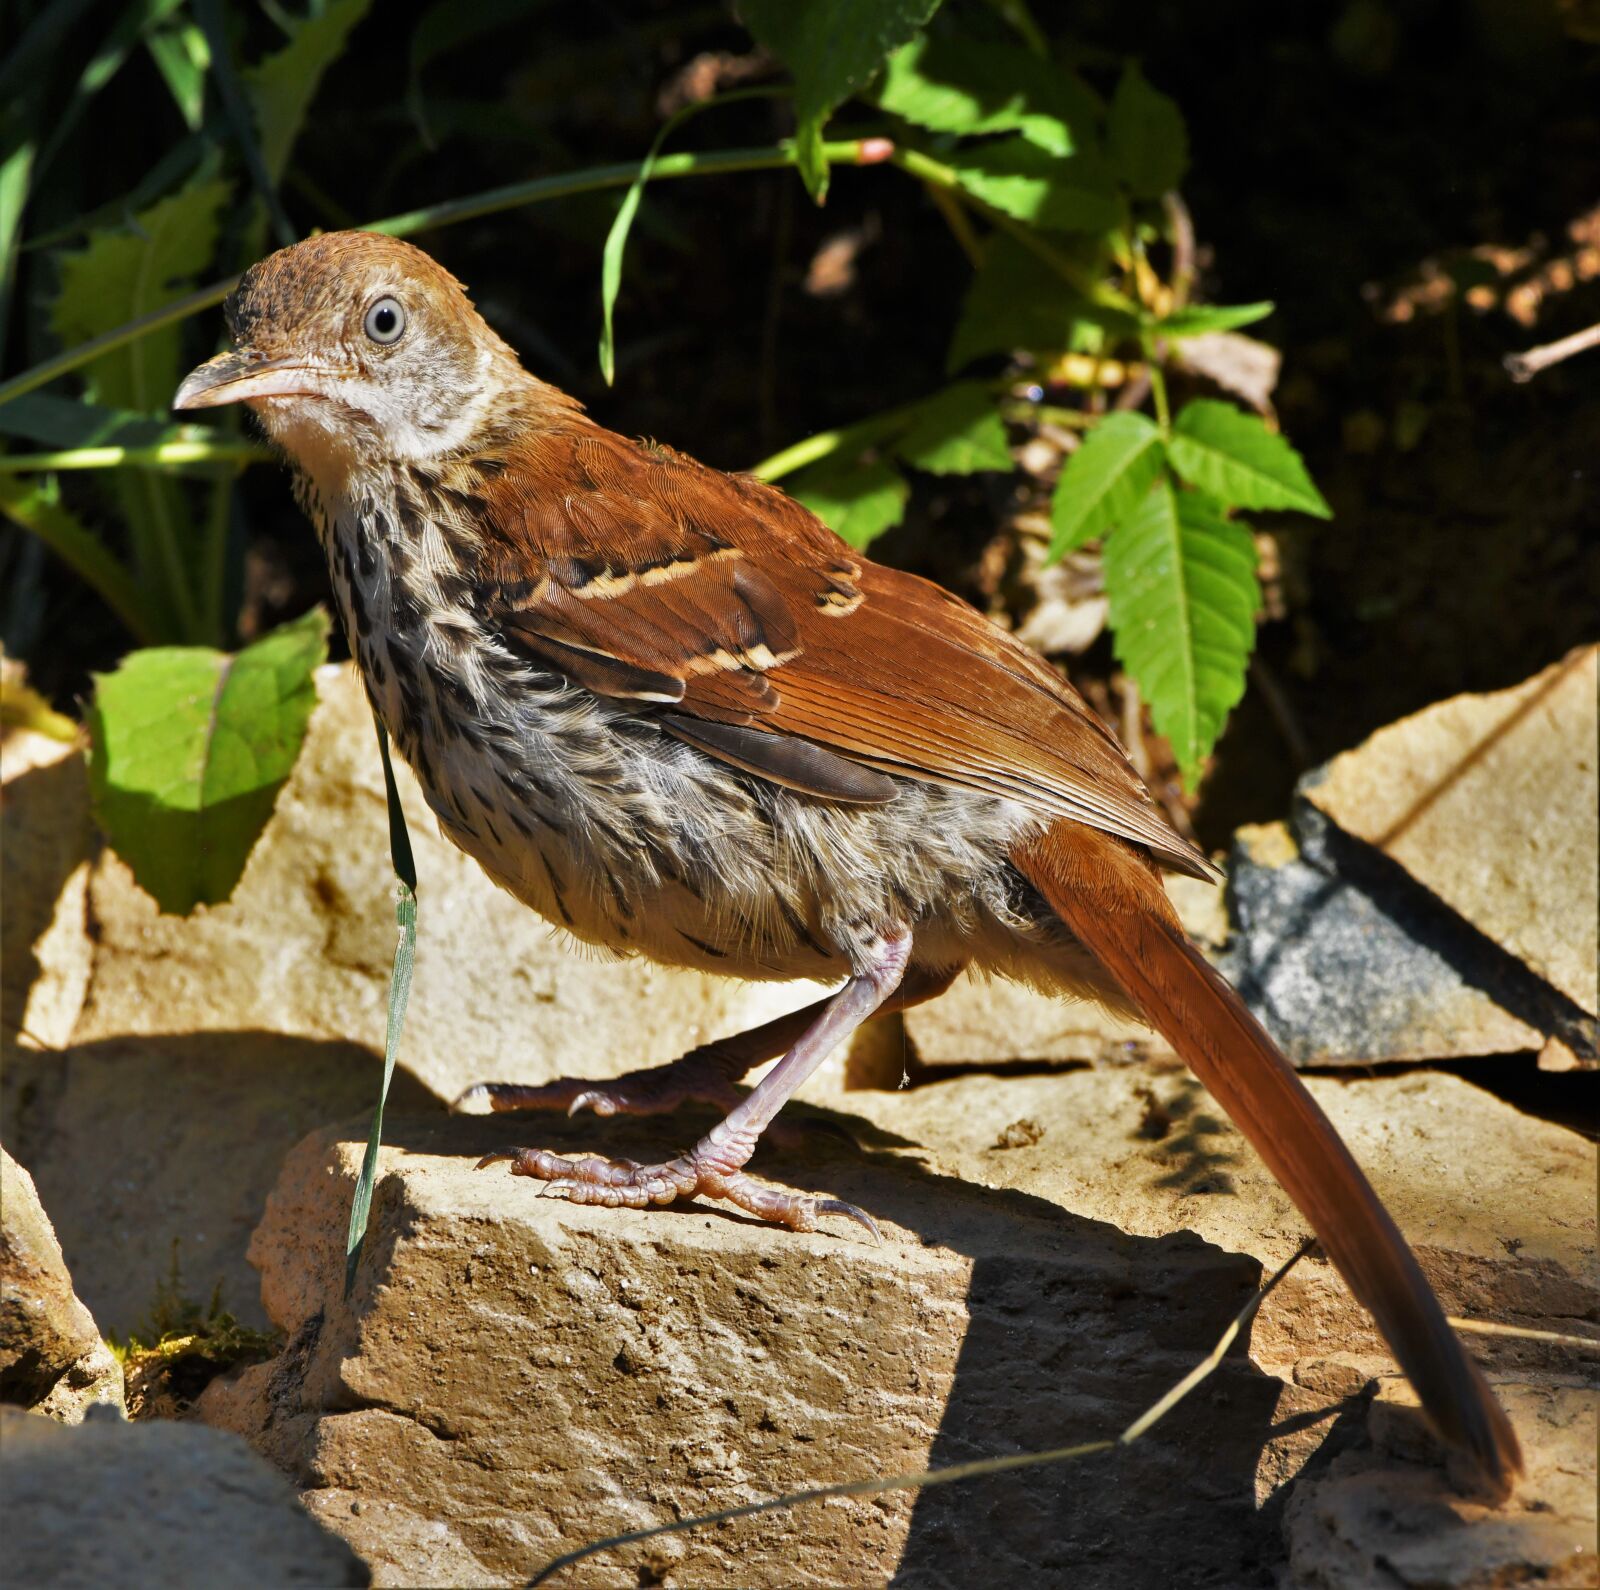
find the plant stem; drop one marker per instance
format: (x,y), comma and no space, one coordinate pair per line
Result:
(936,174)
(1158,390)
(846,151)
(164,455)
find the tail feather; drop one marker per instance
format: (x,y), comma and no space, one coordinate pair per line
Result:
(1113,902)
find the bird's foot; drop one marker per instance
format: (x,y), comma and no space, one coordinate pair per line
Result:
(653,1090)
(622,1183)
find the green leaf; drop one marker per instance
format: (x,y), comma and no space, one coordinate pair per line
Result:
(282,86)
(1145,137)
(1233,456)
(128,272)
(183,59)
(1017,301)
(859,502)
(1105,480)
(961,85)
(1183,596)
(1199,319)
(189,748)
(1059,194)
(118,276)
(956,432)
(833,49)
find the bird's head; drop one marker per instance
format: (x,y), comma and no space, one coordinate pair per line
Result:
(351,347)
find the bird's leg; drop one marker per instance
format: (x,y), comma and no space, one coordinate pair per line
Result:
(714,1166)
(707,1074)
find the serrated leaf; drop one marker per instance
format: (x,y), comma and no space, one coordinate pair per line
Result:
(189,748)
(1181,583)
(833,49)
(1197,320)
(1105,480)
(858,502)
(1059,194)
(1017,301)
(961,85)
(125,273)
(956,432)
(282,86)
(1233,456)
(1145,137)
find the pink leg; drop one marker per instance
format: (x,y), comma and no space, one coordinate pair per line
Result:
(706,1075)
(714,1166)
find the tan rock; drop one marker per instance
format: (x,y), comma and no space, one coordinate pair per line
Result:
(1491,802)
(46,839)
(51,1355)
(163,1504)
(514,1376)
(1363,1523)
(159,1149)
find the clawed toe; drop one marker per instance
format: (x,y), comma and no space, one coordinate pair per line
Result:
(837,1206)
(622,1183)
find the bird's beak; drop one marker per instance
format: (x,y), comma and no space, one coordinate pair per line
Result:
(243,374)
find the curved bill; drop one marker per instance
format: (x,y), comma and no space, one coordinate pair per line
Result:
(241,375)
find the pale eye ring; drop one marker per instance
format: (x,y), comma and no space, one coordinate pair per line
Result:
(385,321)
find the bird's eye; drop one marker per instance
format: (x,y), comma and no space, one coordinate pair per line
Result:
(385,321)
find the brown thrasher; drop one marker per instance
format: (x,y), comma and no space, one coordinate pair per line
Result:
(675,714)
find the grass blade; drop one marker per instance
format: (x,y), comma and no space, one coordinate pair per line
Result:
(405,955)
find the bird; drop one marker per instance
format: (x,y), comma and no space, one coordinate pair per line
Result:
(671,711)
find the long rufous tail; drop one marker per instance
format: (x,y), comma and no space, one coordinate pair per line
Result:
(1111,898)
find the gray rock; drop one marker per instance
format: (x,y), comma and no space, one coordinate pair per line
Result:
(1491,803)
(51,1354)
(163,1506)
(1347,964)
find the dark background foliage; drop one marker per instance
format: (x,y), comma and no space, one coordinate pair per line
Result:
(1363,164)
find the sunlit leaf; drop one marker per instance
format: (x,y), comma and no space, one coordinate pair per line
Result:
(956,432)
(1105,480)
(1062,194)
(1198,319)
(1233,456)
(856,501)
(833,49)
(1181,583)
(189,748)
(967,86)
(1145,137)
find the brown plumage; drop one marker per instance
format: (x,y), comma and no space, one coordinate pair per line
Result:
(672,711)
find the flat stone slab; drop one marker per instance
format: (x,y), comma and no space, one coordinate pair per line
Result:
(154,1506)
(514,1376)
